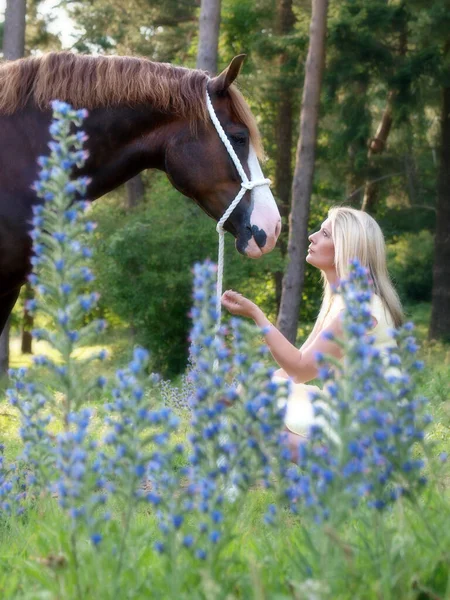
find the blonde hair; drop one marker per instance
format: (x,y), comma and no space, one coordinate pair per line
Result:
(357,235)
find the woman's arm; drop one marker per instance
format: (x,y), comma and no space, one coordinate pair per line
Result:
(301,365)
(310,339)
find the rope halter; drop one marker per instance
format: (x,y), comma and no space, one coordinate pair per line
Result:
(246,185)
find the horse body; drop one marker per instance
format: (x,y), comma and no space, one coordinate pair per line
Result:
(129,130)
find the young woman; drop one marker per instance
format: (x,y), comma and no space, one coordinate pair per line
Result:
(346,234)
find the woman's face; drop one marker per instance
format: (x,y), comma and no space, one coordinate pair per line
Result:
(321,248)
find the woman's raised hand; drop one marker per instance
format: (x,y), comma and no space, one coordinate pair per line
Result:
(238,304)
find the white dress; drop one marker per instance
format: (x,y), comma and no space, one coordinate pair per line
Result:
(299,409)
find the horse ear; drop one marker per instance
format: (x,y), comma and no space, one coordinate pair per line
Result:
(223,81)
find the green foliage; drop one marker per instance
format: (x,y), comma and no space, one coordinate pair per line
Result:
(251,27)
(143,264)
(158,30)
(410,261)
(37,34)
(144,260)
(376,48)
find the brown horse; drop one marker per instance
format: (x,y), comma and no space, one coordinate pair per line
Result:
(141,115)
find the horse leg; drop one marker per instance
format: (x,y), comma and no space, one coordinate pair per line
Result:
(7,302)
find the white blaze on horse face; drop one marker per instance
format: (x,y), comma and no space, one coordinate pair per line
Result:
(265,216)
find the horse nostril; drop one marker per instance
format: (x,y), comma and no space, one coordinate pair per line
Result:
(259,235)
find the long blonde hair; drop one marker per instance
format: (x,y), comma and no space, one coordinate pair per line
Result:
(357,235)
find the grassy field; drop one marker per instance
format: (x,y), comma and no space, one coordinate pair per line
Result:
(401,554)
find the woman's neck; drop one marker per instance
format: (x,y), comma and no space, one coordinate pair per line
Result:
(331,277)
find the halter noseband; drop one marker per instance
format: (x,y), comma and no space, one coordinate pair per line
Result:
(246,185)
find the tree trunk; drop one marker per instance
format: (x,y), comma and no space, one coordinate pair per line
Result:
(208,35)
(378,143)
(283,135)
(13,48)
(284,118)
(354,183)
(355,179)
(27,323)
(377,146)
(304,173)
(440,301)
(135,191)
(412,179)
(14,29)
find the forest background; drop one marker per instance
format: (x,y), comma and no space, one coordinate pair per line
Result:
(383,144)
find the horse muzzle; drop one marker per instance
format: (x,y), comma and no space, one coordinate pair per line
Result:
(265,223)
(253,242)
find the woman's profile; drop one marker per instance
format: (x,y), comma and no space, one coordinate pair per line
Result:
(346,234)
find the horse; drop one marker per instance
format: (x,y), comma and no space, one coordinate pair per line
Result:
(141,115)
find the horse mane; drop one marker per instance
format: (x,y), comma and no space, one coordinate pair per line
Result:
(101,81)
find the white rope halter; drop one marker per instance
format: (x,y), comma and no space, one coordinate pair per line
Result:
(245,186)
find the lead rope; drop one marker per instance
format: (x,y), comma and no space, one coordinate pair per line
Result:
(245,186)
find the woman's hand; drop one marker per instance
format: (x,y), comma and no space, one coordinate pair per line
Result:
(238,304)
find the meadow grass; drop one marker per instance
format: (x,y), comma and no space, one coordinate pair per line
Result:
(373,556)
(403,553)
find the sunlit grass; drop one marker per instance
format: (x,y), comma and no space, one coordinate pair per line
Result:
(434,381)
(17,359)
(31,544)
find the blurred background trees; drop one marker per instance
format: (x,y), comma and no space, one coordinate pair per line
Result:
(383,142)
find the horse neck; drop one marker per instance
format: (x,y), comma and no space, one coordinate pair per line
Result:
(123,142)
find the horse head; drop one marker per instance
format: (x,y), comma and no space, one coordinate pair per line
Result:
(199,165)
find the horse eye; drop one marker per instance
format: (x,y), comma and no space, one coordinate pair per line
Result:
(238,140)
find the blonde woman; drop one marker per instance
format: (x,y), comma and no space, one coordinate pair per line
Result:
(346,234)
